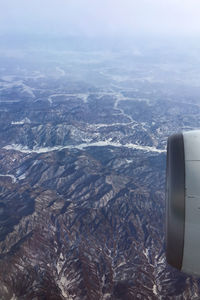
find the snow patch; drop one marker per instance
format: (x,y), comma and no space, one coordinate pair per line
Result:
(63,282)
(146,253)
(18,83)
(155,290)
(24,121)
(25,149)
(27,89)
(129,161)
(83,96)
(121,264)
(99,125)
(23,176)
(106,296)
(14,179)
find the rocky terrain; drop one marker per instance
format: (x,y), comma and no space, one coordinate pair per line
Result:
(82,173)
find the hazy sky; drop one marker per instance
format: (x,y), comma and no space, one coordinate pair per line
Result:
(100,17)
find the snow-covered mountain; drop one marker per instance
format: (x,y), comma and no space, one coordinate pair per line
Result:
(82,175)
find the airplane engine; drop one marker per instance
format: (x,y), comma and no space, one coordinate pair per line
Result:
(183,202)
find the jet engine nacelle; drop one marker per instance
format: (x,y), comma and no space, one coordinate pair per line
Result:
(183,202)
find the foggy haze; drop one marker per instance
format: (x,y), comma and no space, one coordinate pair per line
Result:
(100,18)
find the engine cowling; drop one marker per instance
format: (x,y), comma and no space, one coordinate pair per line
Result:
(183,202)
